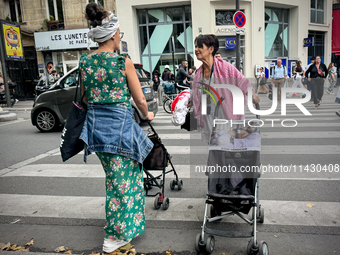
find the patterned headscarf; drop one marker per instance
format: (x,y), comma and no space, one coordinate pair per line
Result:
(106,30)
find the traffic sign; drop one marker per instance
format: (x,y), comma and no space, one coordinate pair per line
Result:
(239,19)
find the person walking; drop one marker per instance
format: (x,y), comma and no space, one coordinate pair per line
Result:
(298,73)
(318,72)
(156,81)
(108,79)
(182,74)
(166,75)
(263,88)
(279,76)
(306,81)
(331,79)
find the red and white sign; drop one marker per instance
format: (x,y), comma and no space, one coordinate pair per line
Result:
(239,19)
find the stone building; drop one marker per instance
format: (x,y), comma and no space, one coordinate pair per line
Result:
(41,23)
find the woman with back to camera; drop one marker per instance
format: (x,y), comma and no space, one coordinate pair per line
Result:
(109,130)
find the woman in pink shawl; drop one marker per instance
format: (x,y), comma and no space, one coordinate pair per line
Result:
(217,71)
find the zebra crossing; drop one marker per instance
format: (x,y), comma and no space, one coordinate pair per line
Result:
(301,198)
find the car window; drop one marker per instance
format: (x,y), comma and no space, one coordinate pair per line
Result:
(71,80)
(141,73)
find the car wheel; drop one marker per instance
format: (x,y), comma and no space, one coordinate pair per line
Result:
(46,121)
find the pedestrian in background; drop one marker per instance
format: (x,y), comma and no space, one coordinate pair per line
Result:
(263,88)
(182,74)
(109,130)
(331,79)
(298,73)
(318,72)
(166,75)
(155,79)
(279,76)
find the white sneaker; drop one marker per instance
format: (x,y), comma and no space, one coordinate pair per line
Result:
(112,245)
(16,101)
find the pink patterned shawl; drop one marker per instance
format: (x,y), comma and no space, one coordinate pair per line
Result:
(224,73)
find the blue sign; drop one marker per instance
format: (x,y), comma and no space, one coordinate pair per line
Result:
(124,47)
(230,43)
(308,42)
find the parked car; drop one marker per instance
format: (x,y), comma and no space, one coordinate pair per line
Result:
(51,108)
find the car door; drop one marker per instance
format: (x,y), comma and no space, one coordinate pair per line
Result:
(65,95)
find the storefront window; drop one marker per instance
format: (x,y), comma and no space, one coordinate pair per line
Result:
(70,55)
(230,54)
(174,14)
(156,28)
(276,32)
(319,44)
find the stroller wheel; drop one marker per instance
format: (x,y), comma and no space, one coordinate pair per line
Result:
(180,184)
(199,244)
(261,217)
(250,248)
(263,248)
(166,203)
(172,184)
(209,247)
(156,204)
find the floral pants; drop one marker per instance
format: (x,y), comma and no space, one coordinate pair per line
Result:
(125,201)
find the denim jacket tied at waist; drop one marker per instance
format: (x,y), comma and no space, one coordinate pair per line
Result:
(110,128)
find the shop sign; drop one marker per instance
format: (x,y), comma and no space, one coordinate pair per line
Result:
(63,40)
(233,30)
(308,42)
(11,38)
(230,43)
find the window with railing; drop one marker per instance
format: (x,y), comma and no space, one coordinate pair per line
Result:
(54,13)
(14,11)
(317,11)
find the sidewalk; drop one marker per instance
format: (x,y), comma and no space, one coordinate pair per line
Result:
(20,106)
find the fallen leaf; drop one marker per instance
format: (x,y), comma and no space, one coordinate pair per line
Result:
(309,205)
(30,242)
(93,253)
(68,252)
(6,246)
(168,251)
(60,249)
(133,250)
(11,248)
(2,245)
(275,236)
(18,248)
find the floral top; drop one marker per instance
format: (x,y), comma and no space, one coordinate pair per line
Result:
(102,78)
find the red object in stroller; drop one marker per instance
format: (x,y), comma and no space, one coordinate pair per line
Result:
(232,193)
(159,159)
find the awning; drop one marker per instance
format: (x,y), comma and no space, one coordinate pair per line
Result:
(336,31)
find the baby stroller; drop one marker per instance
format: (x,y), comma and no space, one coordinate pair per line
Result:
(232,193)
(159,159)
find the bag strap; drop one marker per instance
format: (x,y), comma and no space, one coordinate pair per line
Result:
(75,98)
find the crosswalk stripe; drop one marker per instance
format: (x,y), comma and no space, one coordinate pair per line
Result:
(265,150)
(183,171)
(181,209)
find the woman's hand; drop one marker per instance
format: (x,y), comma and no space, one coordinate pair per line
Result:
(150,116)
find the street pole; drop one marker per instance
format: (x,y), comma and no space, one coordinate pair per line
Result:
(4,72)
(173,55)
(237,40)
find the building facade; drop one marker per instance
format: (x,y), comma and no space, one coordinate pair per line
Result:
(53,31)
(273,29)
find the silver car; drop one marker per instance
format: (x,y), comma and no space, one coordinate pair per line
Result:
(51,108)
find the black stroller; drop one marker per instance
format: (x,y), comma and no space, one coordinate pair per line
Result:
(232,193)
(159,159)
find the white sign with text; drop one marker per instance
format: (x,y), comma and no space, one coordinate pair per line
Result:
(63,40)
